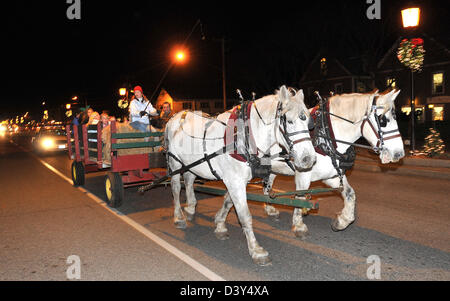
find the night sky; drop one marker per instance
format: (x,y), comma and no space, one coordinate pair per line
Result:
(47,57)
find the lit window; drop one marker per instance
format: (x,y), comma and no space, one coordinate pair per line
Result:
(437,113)
(438,83)
(323,66)
(406,110)
(390,82)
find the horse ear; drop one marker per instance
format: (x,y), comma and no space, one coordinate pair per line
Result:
(284,94)
(394,96)
(300,95)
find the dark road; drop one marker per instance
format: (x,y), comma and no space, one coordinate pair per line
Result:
(404,221)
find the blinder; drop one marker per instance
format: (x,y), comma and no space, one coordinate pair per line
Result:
(311,124)
(381,120)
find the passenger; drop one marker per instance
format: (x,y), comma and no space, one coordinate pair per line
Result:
(83,117)
(104,117)
(139,108)
(94,117)
(166,114)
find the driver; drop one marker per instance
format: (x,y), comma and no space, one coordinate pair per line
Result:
(139,108)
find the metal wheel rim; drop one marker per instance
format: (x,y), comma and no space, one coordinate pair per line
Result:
(74,173)
(108,189)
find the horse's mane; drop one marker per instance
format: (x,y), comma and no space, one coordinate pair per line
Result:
(353,106)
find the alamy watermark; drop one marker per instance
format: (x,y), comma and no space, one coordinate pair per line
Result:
(73,272)
(374,269)
(73,12)
(374,10)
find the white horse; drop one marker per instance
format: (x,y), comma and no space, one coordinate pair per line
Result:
(190,136)
(360,109)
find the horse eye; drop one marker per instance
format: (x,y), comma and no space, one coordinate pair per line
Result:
(383,121)
(303,117)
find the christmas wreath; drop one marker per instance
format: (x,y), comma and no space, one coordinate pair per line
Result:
(122,103)
(411,53)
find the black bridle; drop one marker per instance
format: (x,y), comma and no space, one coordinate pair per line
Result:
(381,122)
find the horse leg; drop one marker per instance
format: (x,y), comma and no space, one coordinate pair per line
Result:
(189,210)
(270,210)
(178,217)
(347,215)
(238,195)
(302,182)
(221,230)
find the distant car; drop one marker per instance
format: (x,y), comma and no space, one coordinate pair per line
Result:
(49,140)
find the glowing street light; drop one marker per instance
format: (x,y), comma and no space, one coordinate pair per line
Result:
(179,56)
(122,91)
(75,98)
(411,17)
(68,106)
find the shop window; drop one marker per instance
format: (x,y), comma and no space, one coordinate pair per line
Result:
(187,105)
(437,113)
(406,110)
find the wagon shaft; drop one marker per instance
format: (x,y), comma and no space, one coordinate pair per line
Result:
(261,198)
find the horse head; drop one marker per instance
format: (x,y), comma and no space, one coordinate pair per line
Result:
(293,129)
(383,130)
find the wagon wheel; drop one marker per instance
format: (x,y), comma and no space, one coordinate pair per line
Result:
(77,173)
(114,189)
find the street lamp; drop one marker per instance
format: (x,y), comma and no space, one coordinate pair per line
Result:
(180,56)
(122,91)
(410,18)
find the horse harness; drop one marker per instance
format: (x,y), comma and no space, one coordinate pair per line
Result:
(326,144)
(242,146)
(324,140)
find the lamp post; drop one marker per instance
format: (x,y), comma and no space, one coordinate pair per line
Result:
(411,18)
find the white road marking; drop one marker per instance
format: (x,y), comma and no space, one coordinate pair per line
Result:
(161,242)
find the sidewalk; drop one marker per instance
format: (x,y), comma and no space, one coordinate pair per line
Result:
(411,166)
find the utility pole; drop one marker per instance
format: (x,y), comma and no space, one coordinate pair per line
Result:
(224,93)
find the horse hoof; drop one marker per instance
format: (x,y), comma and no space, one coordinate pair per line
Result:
(180,224)
(262,261)
(189,217)
(222,235)
(301,234)
(335,226)
(275,217)
(273,213)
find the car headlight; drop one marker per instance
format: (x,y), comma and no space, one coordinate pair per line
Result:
(48,143)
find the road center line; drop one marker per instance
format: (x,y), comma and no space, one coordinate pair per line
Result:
(161,242)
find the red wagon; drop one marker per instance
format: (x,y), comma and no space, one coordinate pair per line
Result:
(85,148)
